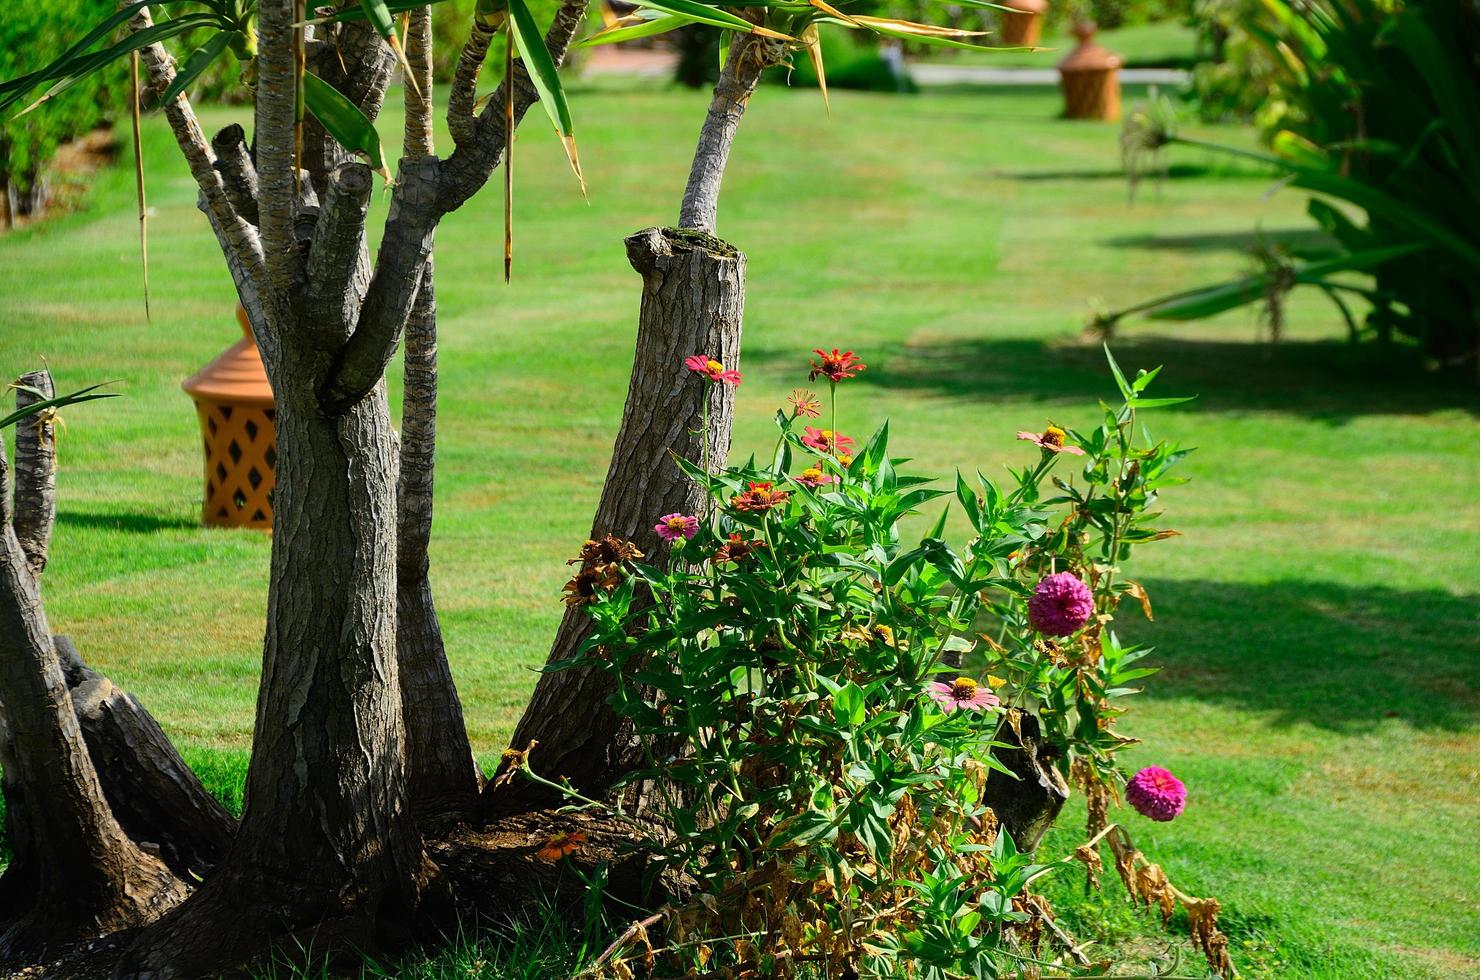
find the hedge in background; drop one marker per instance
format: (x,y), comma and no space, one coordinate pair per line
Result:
(32,34)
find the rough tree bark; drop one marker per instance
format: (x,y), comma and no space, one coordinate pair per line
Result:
(444,777)
(76,874)
(692,301)
(1029,804)
(328,853)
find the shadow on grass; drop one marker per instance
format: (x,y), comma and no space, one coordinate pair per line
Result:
(1341,658)
(1304,243)
(1331,381)
(133,523)
(1178,171)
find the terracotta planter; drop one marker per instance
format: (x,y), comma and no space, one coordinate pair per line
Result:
(1090,78)
(1024,24)
(235,405)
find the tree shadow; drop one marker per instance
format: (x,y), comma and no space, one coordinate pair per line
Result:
(1338,657)
(1303,243)
(1178,171)
(1331,381)
(133,523)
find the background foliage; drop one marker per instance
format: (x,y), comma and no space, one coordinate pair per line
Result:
(32,34)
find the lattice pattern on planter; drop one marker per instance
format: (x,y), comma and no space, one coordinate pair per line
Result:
(241,464)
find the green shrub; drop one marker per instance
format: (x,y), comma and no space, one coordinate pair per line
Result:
(821,697)
(32,34)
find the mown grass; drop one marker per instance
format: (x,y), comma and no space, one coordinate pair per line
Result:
(1317,620)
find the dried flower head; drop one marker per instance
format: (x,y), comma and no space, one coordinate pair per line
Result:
(804,403)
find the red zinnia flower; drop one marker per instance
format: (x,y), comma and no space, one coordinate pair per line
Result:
(737,549)
(759,498)
(713,370)
(827,441)
(836,366)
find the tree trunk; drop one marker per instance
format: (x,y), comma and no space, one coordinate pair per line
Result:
(443,775)
(154,796)
(328,854)
(77,874)
(692,301)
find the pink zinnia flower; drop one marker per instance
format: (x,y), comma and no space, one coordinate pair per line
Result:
(837,366)
(1156,793)
(1060,605)
(1051,440)
(813,477)
(827,441)
(803,402)
(963,693)
(671,527)
(716,372)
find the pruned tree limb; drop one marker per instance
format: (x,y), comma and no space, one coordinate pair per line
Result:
(35,470)
(469,166)
(337,257)
(418,139)
(352,58)
(239,239)
(403,253)
(462,95)
(750,55)
(238,172)
(277,172)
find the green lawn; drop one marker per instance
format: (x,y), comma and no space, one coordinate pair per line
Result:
(1317,622)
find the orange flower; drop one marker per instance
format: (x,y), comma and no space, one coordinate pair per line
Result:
(759,498)
(558,846)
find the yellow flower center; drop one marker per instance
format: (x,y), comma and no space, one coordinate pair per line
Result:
(995,681)
(963,689)
(677,523)
(715,367)
(845,459)
(811,473)
(1054,436)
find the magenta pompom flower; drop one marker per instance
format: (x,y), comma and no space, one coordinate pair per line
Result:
(1156,793)
(674,526)
(716,372)
(963,693)
(1060,605)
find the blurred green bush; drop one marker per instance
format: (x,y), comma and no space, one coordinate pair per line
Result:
(32,34)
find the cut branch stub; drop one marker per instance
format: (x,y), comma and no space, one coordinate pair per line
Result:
(1027,806)
(692,302)
(35,470)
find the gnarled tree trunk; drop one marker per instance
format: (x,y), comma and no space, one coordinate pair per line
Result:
(692,301)
(76,874)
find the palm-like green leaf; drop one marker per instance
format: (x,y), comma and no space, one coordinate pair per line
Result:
(344,121)
(545,75)
(90,393)
(200,59)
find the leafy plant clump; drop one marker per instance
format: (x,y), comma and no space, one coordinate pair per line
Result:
(1372,111)
(822,696)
